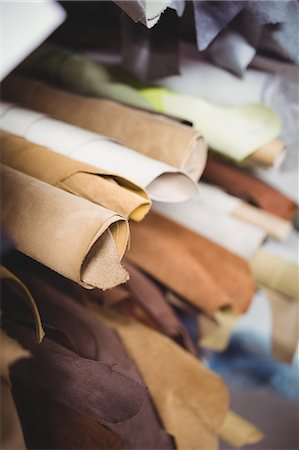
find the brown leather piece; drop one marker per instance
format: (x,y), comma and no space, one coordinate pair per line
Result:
(70,378)
(192,400)
(142,299)
(11,437)
(246,186)
(202,272)
(52,425)
(149,296)
(72,329)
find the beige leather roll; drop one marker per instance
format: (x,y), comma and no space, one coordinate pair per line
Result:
(106,189)
(74,237)
(151,134)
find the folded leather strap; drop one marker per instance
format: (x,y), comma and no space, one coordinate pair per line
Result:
(205,274)
(243,185)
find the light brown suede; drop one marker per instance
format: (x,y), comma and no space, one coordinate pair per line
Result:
(215,332)
(191,400)
(151,134)
(204,273)
(238,432)
(74,237)
(268,155)
(105,189)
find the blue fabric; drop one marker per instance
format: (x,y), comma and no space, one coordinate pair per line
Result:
(247,363)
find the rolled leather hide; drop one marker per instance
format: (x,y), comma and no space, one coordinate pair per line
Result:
(163,182)
(104,188)
(153,135)
(74,237)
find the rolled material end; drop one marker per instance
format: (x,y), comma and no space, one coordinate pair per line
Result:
(196,159)
(172,187)
(101,266)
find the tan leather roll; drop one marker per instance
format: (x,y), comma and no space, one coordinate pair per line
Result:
(74,237)
(151,134)
(108,190)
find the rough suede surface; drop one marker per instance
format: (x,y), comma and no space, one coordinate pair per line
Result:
(98,186)
(61,230)
(74,329)
(191,400)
